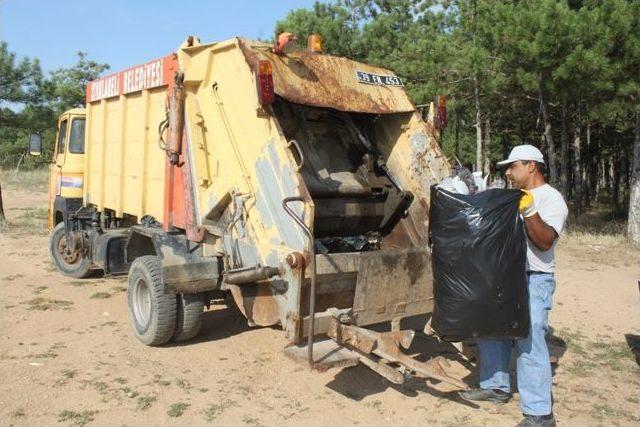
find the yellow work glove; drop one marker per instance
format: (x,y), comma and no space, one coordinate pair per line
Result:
(527,206)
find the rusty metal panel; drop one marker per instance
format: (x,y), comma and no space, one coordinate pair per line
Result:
(391,285)
(328,81)
(416,162)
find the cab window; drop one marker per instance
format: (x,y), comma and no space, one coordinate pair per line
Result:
(62,137)
(76,138)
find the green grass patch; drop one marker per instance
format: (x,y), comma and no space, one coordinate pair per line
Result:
(80,282)
(101,295)
(212,411)
(49,354)
(76,418)
(183,384)
(48,304)
(581,368)
(145,402)
(157,379)
(177,409)
(607,411)
(574,340)
(69,373)
(18,413)
(248,420)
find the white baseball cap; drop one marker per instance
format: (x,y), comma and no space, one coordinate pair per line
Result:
(524,152)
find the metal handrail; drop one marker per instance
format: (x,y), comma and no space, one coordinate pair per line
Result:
(312,262)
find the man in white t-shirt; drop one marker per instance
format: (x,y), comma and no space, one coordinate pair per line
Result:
(545,212)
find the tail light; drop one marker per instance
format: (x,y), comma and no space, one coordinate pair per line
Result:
(264,80)
(314,43)
(441,111)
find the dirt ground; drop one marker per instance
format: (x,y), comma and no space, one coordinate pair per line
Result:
(67,354)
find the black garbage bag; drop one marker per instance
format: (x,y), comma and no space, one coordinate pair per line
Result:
(479,265)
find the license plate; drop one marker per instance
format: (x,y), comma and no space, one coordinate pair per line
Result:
(375,79)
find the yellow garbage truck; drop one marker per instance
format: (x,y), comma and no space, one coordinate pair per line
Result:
(293,181)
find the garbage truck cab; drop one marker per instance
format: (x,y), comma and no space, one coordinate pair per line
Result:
(66,172)
(297,183)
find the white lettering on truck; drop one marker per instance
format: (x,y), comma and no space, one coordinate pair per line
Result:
(105,87)
(141,77)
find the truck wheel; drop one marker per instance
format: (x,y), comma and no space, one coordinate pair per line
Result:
(152,312)
(189,316)
(70,263)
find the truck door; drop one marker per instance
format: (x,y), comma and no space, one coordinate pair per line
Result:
(55,170)
(72,179)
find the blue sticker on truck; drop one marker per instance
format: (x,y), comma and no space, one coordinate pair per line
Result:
(376,79)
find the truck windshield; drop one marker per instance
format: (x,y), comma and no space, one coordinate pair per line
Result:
(76,138)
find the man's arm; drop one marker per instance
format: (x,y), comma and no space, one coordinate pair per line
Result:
(540,233)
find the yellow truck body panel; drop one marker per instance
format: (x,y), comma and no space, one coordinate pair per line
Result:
(124,165)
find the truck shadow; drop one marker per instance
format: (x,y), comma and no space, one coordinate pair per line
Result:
(359,382)
(217,324)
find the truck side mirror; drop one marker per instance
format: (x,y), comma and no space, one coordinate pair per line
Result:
(35,144)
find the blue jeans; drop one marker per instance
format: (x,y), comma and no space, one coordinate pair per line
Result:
(533,366)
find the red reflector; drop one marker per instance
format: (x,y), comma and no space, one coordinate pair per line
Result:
(264,80)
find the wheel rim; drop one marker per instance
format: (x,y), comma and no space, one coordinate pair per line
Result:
(66,256)
(142,302)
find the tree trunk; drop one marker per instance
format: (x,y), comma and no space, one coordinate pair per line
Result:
(486,170)
(606,176)
(588,171)
(476,97)
(624,174)
(457,142)
(3,220)
(548,136)
(505,146)
(577,172)
(564,155)
(614,170)
(633,225)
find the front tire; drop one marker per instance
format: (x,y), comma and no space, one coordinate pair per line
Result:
(152,312)
(70,263)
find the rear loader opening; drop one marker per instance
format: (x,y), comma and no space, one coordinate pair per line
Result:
(357,203)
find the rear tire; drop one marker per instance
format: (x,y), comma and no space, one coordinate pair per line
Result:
(73,264)
(189,316)
(152,312)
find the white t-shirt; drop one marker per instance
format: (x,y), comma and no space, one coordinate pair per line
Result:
(553,210)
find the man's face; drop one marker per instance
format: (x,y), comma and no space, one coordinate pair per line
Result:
(520,173)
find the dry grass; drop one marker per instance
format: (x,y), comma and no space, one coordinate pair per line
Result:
(600,233)
(30,219)
(30,181)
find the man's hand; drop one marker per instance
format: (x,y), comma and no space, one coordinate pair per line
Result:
(527,205)
(541,234)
